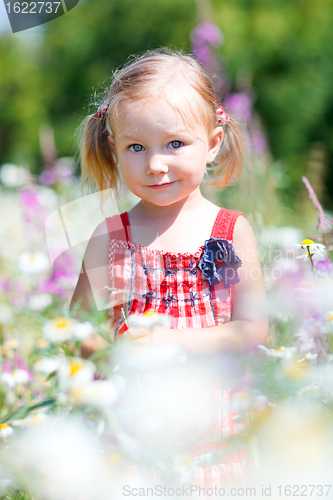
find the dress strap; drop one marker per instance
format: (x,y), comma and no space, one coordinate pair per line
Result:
(119,228)
(126,225)
(224,224)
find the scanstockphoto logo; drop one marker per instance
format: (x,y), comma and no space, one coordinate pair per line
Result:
(23,15)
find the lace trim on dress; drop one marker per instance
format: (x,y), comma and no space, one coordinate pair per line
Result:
(155,251)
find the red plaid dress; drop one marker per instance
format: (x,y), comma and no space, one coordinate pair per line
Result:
(170,283)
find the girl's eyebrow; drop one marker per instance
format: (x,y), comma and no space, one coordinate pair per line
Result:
(136,134)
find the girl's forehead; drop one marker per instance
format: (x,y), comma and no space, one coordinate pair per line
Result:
(181,110)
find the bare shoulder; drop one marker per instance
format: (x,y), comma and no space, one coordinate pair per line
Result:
(101,229)
(97,251)
(243,232)
(91,288)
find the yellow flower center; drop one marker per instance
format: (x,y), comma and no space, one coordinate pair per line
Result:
(294,370)
(42,343)
(4,426)
(61,323)
(187,460)
(307,242)
(32,258)
(12,343)
(76,392)
(74,367)
(150,313)
(114,458)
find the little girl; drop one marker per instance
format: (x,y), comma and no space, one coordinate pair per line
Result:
(174,252)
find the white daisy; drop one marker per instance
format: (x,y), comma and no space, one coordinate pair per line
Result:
(99,393)
(5,431)
(310,246)
(13,175)
(83,330)
(33,262)
(308,358)
(282,352)
(75,372)
(6,314)
(16,377)
(11,344)
(59,329)
(149,320)
(39,301)
(47,365)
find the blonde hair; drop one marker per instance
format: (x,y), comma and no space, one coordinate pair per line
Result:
(159,73)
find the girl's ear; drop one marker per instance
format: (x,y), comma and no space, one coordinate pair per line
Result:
(215,143)
(113,144)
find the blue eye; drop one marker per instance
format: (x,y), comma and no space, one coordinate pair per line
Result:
(176,144)
(136,148)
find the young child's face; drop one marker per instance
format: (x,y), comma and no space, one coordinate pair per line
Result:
(162,160)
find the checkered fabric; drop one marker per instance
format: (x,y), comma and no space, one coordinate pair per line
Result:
(145,279)
(152,280)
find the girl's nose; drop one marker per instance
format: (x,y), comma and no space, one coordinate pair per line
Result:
(157,164)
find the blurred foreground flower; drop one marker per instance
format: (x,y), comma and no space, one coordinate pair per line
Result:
(149,320)
(74,372)
(99,394)
(39,301)
(6,430)
(282,352)
(61,329)
(296,446)
(14,378)
(13,175)
(33,262)
(59,461)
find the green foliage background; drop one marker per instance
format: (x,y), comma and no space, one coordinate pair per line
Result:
(284,46)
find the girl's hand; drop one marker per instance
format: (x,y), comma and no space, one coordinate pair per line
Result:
(139,334)
(145,336)
(91,345)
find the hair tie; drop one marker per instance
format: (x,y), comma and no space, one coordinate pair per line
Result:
(221,117)
(103,109)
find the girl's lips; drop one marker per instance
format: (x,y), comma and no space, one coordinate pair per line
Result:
(161,186)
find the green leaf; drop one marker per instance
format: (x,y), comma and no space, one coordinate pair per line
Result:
(34,315)
(24,410)
(51,375)
(105,337)
(66,350)
(97,354)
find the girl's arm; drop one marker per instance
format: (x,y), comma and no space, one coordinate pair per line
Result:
(90,293)
(249,323)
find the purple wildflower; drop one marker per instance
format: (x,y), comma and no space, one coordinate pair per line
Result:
(323,267)
(239,105)
(206,38)
(320,211)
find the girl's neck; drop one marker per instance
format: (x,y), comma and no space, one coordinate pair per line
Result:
(149,212)
(182,227)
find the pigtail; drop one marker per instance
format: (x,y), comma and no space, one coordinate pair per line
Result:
(98,164)
(229,163)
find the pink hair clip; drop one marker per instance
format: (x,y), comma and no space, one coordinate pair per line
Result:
(103,109)
(221,117)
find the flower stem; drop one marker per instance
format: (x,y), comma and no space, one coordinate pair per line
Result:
(313,268)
